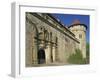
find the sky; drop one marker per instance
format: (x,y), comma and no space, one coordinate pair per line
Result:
(67,20)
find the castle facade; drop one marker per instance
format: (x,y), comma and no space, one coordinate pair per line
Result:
(49,41)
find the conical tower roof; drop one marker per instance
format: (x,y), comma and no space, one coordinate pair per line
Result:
(76,22)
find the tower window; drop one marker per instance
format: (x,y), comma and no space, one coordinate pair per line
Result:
(80,36)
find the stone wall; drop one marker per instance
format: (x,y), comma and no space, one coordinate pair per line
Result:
(43,32)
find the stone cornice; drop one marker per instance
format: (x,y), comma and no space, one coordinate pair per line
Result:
(41,18)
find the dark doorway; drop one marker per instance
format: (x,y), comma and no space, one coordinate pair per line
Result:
(41,56)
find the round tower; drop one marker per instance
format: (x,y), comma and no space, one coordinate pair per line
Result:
(80,33)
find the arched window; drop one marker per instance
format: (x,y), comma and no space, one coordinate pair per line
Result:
(46,35)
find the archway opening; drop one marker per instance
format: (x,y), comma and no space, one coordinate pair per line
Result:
(41,56)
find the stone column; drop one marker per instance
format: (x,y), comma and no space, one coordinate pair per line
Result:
(47,53)
(34,54)
(54,52)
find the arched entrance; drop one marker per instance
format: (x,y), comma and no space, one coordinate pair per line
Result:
(41,56)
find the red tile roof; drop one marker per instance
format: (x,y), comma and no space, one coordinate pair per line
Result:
(76,22)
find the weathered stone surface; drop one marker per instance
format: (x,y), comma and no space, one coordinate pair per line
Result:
(58,42)
(80,33)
